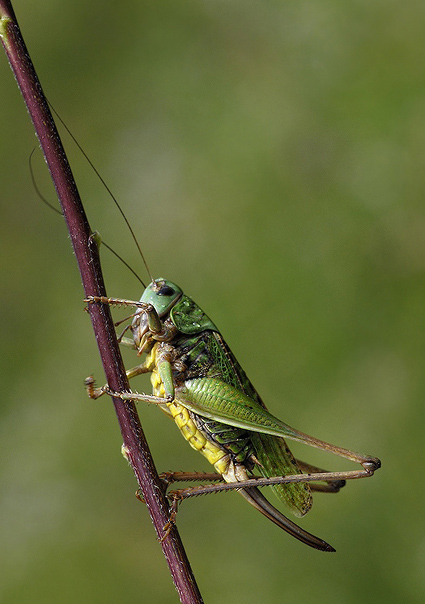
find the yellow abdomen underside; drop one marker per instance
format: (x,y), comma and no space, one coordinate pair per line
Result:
(217,456)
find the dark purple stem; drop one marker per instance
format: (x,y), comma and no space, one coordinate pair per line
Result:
(86,252)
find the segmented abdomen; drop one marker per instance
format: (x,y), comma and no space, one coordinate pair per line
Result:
(221,444)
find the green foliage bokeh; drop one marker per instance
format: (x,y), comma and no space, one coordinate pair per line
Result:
(269,156)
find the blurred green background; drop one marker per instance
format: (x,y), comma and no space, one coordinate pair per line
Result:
(269,155)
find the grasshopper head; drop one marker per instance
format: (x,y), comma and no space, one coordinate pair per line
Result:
(162,294)
(169,302)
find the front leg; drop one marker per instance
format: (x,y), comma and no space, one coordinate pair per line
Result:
(154,322)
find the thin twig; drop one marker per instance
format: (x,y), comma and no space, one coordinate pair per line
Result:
(86,252)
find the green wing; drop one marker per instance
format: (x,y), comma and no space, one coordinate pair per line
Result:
(277,460)
(215,399)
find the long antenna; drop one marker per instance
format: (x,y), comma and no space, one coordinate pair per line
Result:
(124,262)
(52,207)
(107,188)
(37,190)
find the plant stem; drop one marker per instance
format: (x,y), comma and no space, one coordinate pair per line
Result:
(87,255)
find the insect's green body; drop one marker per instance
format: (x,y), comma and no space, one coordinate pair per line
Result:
(199,383)
(214,404)
(209,366)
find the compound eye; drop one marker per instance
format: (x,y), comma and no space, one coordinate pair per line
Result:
(166,290)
